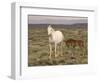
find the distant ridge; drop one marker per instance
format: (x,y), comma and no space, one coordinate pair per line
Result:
(77,25)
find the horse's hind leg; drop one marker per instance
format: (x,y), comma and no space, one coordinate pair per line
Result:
(61,49)
(55,50)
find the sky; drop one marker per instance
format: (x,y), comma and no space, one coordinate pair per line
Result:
(56,19)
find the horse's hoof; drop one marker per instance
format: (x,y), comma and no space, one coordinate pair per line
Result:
(49,57)
(61,55)
(56,56)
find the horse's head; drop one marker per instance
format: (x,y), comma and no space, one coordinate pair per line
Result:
(50,30)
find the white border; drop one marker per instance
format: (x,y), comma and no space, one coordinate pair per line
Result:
(19,45)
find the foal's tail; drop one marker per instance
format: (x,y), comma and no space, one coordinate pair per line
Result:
(64,40)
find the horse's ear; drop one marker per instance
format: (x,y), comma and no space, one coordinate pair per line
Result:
(49,25)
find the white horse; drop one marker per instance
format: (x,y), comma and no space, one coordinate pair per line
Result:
(55,37)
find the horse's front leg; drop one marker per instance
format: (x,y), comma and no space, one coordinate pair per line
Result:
(50,46)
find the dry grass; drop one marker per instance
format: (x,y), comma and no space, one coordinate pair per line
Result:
(38,49)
